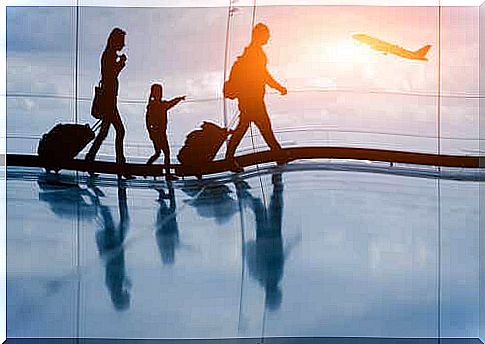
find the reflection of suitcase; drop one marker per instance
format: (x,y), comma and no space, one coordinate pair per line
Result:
(62,143)
(201,146)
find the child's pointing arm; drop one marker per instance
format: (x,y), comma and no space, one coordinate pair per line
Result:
(174,101)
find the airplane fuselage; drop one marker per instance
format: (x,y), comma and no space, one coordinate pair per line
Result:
(388,48)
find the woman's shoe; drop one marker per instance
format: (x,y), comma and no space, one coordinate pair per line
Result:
(126,176)
(171,177)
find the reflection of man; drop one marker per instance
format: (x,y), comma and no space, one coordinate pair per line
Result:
(167,232)
(110,242)
(265,256)
(251,95)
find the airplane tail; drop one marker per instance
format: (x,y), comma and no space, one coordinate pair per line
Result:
(423,51)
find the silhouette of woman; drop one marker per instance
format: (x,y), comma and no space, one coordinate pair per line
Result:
(111,66)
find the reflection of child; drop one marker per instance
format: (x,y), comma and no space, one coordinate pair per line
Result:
(156,122)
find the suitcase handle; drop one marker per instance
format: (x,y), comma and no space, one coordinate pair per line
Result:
(97,125)
(232,121)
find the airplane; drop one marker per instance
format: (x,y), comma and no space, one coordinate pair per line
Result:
(388,48)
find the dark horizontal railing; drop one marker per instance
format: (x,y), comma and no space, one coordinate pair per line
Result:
(296,153)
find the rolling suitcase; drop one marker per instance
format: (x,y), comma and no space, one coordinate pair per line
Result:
(63,142)
(200,147)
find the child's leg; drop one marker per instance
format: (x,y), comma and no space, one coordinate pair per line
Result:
(166,152)
(155,155)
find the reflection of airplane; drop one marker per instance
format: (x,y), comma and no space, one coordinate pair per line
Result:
(388,48)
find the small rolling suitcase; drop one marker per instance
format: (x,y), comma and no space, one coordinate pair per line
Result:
(63,142)
(201,146)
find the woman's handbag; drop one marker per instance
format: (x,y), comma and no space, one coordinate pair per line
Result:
(97,110)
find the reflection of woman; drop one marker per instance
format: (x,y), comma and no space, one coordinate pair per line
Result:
(66,200)
(110,242)
(111,66)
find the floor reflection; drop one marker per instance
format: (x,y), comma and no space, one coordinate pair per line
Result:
(166,227)
(209,259)
(66,199)
(212,201)
(265,256)
(110,239)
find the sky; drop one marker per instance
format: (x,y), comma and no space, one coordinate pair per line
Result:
(335,83)
(223,3)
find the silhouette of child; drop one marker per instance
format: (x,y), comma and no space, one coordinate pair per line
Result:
(156,122)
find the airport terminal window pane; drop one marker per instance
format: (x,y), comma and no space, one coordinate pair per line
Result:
(41,58)
(459,81)
(344,93)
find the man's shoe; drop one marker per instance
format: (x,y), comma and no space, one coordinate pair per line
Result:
(283,157)
(235,167)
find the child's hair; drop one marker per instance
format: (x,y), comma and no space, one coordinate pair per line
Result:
(155,92)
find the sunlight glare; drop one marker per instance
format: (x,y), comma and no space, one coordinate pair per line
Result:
(346,52)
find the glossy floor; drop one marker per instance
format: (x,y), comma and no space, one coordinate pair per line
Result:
(285,253)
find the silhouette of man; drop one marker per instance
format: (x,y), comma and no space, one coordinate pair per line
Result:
(251,96)
(111,66)
(110,241)
(167,232)
(265,256)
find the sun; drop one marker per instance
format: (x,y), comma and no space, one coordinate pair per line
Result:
(343,53)
(349,51)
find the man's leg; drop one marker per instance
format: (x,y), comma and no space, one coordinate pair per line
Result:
(264,125)
(103,132)
(236,138)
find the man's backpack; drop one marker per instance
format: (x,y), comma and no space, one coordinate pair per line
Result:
(233,86)
(202,145)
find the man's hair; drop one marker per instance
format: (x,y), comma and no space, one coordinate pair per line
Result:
(259,29)
(115,34)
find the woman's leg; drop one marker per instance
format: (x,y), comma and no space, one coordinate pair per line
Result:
(120,136)
(103,132)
